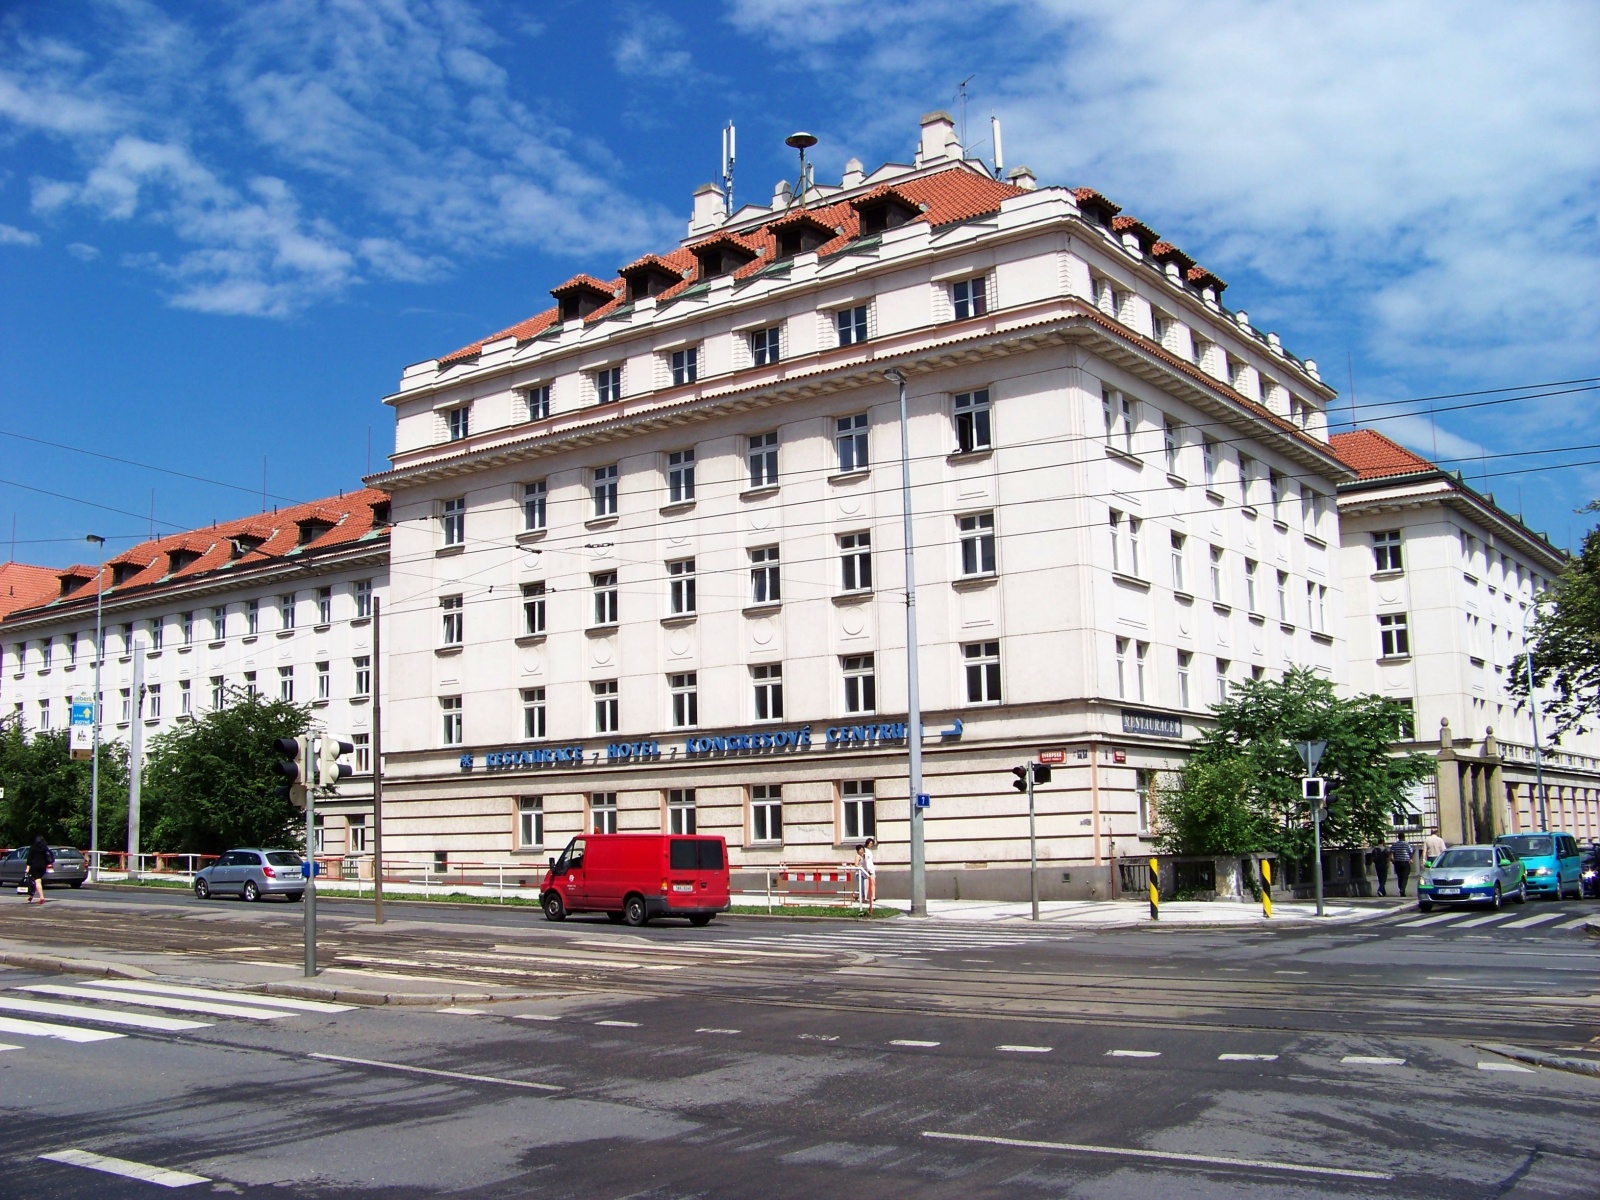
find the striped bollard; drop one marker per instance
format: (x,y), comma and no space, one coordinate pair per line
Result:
(1155,890)
(1266,888)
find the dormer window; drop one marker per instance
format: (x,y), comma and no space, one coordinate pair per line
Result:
(243,544)
(1096,207)
(580,296)
(180,558)
(311,529)
(888,211)
(722,256)
(380,513)
(74,579)
(121,572)
(650,276)
(801,234)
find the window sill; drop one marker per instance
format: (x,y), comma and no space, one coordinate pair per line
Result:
(1313,540)
(359,700)
(1285,626)
(46,670)
(284,633)
(676,508)
(1127,456)
(1249,511)
(181,650)
(853,597)
(854,476)
(1394,658)
(1177,481)
(184,717)
(763,845)
(1383,575)
(151,722)
(601,630)
(972,583)
(1256,618)
(1475,660)
(249,639)
(530,535)
(1215,496)
(319,703)
(74,666)
(355,623)
(122,724)
(218,644)
(449,551)
(1226,610)
(762,610)
(529,850)
(679,620)
(1280,526)
(446,651)
(319,627)
(1182,596)
(605,522)
(978,454)
(1132,581)
(759,493)
(531,639)
(1325,638)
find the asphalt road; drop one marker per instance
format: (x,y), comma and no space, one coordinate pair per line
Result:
(804,1059)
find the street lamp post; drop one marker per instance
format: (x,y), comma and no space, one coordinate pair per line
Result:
(94,761)
(919,881)
(1533,709)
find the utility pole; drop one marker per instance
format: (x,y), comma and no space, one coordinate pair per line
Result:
(919,880)
(1026,777)
(135,759)
(310,898)
(1314,790)
(377,761)
(1533,709)
(94,759)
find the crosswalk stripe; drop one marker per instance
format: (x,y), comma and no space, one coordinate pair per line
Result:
(175,989)
(143,1172)
(172,1002)
(1434,920)
(1540,919)
(1489,920)
(65,1033)
(44,1008)
(3,1046)
(1573,924)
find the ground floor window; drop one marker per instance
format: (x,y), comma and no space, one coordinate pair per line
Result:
(530,822)
(860,809)
(766,813)
(358,835)
(1145,784)
(602,812)
(680,810)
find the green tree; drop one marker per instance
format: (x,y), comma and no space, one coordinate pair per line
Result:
(47,790)
(209,784)
(1566,641)
(1244,774)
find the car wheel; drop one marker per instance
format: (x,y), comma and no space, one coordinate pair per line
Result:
(700,919)
(1424,906)
(634,912)
(1497,901)
(1522,893)
(554,910)
(614,917)
(202,890)
(251,892)
(75,884)
(293,896)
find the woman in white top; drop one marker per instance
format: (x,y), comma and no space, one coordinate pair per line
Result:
(869,874)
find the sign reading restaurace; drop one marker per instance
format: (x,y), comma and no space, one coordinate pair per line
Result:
(838,737)
(1151,724)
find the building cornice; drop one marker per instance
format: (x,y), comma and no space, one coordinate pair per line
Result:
(1400,492)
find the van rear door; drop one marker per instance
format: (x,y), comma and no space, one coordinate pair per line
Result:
(696,873)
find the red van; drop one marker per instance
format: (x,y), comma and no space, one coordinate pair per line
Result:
(632,877)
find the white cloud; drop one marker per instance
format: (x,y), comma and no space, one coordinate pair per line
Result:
(650,45)
(10,235)
(82,251)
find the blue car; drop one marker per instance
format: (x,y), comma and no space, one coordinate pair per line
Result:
(1472,875)
(1552,861)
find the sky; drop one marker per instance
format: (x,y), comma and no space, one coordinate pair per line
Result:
(226,227)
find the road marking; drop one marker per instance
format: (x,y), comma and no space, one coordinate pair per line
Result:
(535,1017)
(1247,1058)
(1449,916)
(1259,1164)
(265,1001)
(574,961)
(1133,1054)
(1445,979)
(462,1012)
(819,1037)
(619,1024)
(161,1176)
(1373,1060)
(914,1044)
(173,1002)
(1488,920)
(390,1066)
(1026,1049)
(1540,919)
(1573,924)
(726,1031)
(4,1047)
(44,1008)
(1507,1067)
(1289,972)
(65,1033)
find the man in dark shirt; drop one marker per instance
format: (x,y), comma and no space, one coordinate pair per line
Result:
(40,857)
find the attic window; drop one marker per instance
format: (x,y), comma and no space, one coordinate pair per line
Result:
(581,296)
(649,277)
(311,530)
(121,572)
(885,212)
(178,559)
(722,257)
(802,235)
(72,581)
(244,544)
(380,513)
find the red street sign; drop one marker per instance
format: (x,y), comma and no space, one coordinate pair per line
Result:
(1119,756)
(1052,756)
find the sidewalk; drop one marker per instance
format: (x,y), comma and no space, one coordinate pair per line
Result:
(1130,914)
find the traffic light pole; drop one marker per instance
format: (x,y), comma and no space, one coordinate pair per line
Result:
(919,879)
(1316,856)
(310,897)
(1033,851)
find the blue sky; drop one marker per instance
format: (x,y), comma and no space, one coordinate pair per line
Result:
(225,228)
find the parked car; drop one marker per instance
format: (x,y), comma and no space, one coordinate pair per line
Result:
(1472,875)
(1589,874)
(70,868)
(633,877)
(252,874)
(1553,863)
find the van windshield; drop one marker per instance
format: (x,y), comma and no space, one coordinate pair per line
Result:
(1529,845)
(571,858)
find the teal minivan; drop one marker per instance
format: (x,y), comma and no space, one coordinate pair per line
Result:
(1554,865)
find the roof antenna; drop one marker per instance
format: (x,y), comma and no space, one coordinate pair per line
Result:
(802,142)
(961,98)
(727,167)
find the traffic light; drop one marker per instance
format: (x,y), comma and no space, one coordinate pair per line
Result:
(329,769)
(1314,790)
(294,767)
(1021,780)
(1041,774)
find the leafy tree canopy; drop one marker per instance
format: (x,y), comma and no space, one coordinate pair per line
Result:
(209,784)
(1566,641)
(47,791)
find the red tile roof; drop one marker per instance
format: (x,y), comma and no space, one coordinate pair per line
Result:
(23,586)
(1373,456)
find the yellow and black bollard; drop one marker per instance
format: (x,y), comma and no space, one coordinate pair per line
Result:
(1155,890)
(1266,888)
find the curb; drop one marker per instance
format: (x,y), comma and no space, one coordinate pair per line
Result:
(73,966)
(338,995)
(1542,1058)
(1592,928)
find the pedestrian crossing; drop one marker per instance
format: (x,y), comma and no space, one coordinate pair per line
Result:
(898,941)
(1515,919)
(104,1010)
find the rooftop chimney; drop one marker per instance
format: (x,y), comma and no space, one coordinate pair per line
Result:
(853,173)
(938,139)
(1022,177)
(710,210)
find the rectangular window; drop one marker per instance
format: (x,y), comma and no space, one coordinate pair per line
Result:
(285,613)
(286,684)
(535,498)
(605,491)
(602,812)
(219,693)
(249,683)
(859,808)
(363,594)
(766,813)
(605,705)
(185,630)
(324,682)
(680,587)
(152,694)
(1222,680)
(685,691)
(538,400)
(1218,590)
(1118,411)
(680,811)
(532,608)
(969,297)
(764,346)
(977,543)
(685,365)
(361,671)
(127,706)
(460,420)
(1283,596)
(530,822)
(1141,654)
(1386,550)
(763,452)
(1179,583)
(357,829)
(1171,439)
(533,714)
(450,712)
(1308,510)
(764,584)
(604,584)
(452,621)
(44,713)
(324,606)
(1116,540)
(1144,785)
(680,476)
(607,385)
(1184,659)
(1394,635)
(860,684)
(850,439)
(1122,668)
(767,679)
(972,421)
(1251,599)
(1275,491)
(453,521)
(1208,461)
(851,324)
(855,561)
(982,663)
(252,620)
(185,699)
(1316,607)
(1246,470)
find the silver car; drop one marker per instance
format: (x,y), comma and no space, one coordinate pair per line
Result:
(1472,875)
(70,869)
(252,874)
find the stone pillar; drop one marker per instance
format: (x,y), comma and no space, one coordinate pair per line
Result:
(1494,793)
(1452,813)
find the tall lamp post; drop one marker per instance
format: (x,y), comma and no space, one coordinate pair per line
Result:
(919,881)
(1533,709)
(94,761)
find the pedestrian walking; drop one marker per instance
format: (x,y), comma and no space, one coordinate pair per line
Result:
(40,859)
(1400,854)
(1432,846)
(1378,856)
(861,875)
(869,874)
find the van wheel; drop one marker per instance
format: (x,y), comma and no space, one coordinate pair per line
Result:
(700,919)
(614,917)
(634,912)
(554,910)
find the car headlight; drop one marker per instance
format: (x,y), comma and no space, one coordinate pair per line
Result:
(1540,871)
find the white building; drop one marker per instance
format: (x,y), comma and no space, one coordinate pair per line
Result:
(1439,581)
(648,542)
(280,603)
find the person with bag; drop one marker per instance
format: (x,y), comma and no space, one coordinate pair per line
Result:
(1400,856)
(40,859)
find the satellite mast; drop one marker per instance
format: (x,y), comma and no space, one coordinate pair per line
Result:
(802,142)
(961,96)
(727,167)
